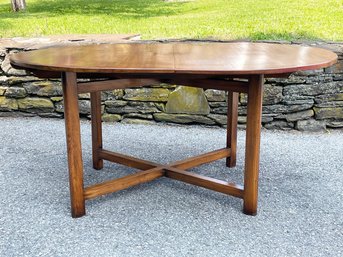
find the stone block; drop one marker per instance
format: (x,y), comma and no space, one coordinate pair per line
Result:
(16,114)
(329,97)
(279,124)
(59,107)
(161,107)
(107,117)
(302,115)
(145,107)
(187,100)
(13,80)
(330,100)
(115,103)
(123,107)
(218,107)
(35,104)
(147,94)
(328,113)
(51,90)
(309,73)
(217,104)
(56,98)
(297,100)
(9,70)
(291,80)
(214,95)
(337,77)
(113,94)
(3,80)
(43,88)
(139,116)
(272,94)
(313,89)
(219,110)
(242,110)
(242,126)
(334,124)
(50,115)
(219,119)
(85,96)
(2,90)
(267,118)
(16,92)
(243,98)
(278,108)
(183,118)
(117,106)
(137,121)
(85,106)
(335,47)
(330,104)
(310,125)
(8,104)
(319,80)
(242,119)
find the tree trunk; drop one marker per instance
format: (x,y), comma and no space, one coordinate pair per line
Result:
(18,5)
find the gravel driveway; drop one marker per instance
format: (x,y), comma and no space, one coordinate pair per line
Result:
(300,196)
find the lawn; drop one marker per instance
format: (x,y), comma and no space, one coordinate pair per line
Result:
(157,19)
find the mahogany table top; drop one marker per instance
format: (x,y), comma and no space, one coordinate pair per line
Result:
(182,58)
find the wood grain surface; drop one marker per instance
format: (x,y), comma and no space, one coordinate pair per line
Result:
(184,58)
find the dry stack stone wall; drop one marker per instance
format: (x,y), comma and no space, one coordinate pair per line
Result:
(306,101)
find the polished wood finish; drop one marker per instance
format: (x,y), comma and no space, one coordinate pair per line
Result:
(206,182)
(127,160)
(96,129)
(201,159)
(123,183)
(159,170)
(252,151)
(233,67)
(96,86)
(231,133)
(103,75)
(219,84)
(182,58)
(72,124)
(187,163)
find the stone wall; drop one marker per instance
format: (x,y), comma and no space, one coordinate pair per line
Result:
(306,101)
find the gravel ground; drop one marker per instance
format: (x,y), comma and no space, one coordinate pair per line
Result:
(300,196)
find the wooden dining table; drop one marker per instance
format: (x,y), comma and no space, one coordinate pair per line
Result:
(235,67)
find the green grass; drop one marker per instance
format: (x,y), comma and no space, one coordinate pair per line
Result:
(156,19)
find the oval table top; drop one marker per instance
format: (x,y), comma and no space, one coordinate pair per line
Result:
(183,58)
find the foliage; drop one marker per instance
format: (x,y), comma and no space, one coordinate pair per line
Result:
(223,19)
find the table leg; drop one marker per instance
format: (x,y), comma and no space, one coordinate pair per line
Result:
(96,129)
(252,152)
(231,133)
(72,125)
